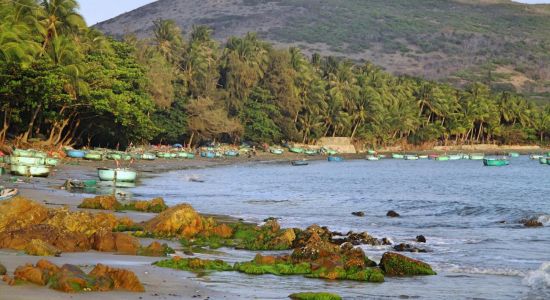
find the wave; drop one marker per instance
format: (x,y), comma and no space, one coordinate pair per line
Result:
(538,279)
(487,271)
(544,219)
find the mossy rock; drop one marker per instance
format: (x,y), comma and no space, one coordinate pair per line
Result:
(338,273)
(314,296)
(194,264)
(278,269)
(394,264)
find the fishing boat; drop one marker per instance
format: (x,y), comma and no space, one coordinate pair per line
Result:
(397,156)
(27,161)
(300,163)
(442,158)
(455,157)
(371,152)
(79,184)
(535,156)
(410,157)
(513,154)
(543,160)
(423,156)
(22,152)
(122,175)
(372,157)
(382,156)
(331,152)
(6,194)
(34,171)
(310,152)
(433,156)
(76,153)
(93,155)
(276,151)
(495,162)
(190,156)
(477,156)
(148,156)
(181,154)
(296,150)
(50,161)
(231,153)
(335,158)
(114,156)
(208,154)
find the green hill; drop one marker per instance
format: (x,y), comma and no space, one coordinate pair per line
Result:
(501,43)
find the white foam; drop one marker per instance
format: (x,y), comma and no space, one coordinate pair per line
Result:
(545,220)
(538,279)
(487,271)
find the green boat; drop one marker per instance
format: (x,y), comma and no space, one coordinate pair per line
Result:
(410,157)
(181,154)
(35,171)
(423,156)
(477,156)
(148,156)
(372,157)
(513,154)
(397,156)
(382,156)
(122,175)
(163,155)
(371,152)
(296,150)
(114,156)
(455,157)
(310,152)
(190,156)
(442,158)
(543,160)
(50,161)
(331,152)
(21,152)
(535,156)
(495,162)
(93,155)
(276,151)
(27,161)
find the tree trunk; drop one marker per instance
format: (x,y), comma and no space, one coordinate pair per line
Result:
(191,139)
(31,123)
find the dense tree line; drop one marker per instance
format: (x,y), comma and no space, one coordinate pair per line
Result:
(64,83)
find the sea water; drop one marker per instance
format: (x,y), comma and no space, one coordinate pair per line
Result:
(469,214)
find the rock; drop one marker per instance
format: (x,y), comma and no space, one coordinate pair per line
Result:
(70,279)
(82,222)
(121,279)
(392,214)
(408,248)
(31,274)
(156,249)
(40,248)
(532,223)
(3,270)
(108,202)
(178,220)
(222,231)
(20,212)
(284,240)
(358,239)
(155,205)
(303,236)
(63,240)
(358,213)
(314,296)
(107,241)
(420,239)
(394,264)
(386,241)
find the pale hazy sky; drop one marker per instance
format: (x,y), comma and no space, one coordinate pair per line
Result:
(99,10)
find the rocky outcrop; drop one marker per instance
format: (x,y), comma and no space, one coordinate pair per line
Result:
(395,264)
(101,202)
(180,220)
(40,248)
(80,221)
(420,239)
(403,247)
(121,279)
(107,241)
(71,279)
(532,223)
(64,240)
(20,212)
(392,214)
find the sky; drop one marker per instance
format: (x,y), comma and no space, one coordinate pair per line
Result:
(95,11)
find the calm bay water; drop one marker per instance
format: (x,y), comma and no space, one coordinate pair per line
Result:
(458,205)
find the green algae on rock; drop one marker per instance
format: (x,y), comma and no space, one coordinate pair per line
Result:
(194,264)
(314,296)
(394,264)
(273,265)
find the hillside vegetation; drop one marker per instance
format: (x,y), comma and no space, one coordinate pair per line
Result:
(500,43)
